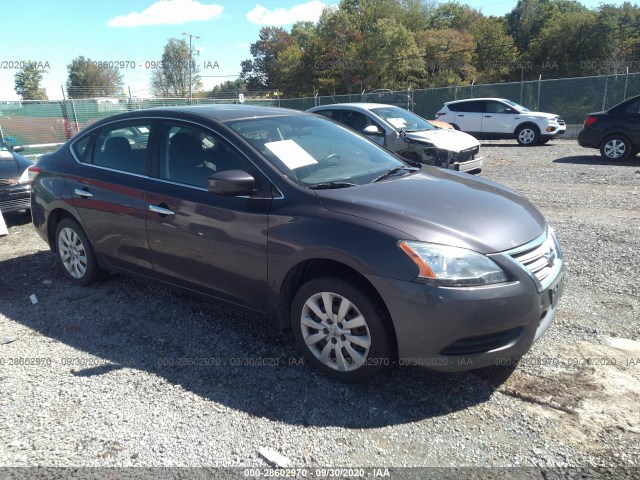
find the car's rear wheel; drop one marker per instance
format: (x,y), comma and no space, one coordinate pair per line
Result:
(341,331)
(616,147)
(75,254)
(527,135)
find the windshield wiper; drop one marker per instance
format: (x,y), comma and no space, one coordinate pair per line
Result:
(393,171)
(328,185)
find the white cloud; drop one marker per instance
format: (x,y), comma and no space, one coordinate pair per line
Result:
(168,12)
(305,12)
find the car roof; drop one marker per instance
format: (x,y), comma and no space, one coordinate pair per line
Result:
(355,105)
(474,99)
(219,112)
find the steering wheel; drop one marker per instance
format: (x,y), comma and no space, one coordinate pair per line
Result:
(329,157)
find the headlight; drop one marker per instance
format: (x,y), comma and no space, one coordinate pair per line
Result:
(24,178)
(452,266)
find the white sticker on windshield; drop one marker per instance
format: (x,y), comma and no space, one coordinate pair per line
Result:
(397,122)
(291,154)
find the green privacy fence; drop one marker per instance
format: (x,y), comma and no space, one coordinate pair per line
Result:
(573,98)
(38,123)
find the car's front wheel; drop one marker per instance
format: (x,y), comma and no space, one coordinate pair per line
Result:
(527,135)
(342,331)
(75,254)
(616,147)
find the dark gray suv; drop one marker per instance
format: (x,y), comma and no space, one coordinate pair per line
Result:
(369,261)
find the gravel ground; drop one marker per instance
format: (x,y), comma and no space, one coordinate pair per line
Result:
(109,379)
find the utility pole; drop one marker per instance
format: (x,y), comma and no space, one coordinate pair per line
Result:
(190,65)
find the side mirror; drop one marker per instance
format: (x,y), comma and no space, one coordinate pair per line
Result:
(373,130)
(231,183)
(17,149)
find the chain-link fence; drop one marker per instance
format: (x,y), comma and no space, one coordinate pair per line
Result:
(42,125)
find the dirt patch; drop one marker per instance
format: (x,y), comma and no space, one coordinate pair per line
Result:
(596,394)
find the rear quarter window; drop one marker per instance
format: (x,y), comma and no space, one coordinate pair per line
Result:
(80,148)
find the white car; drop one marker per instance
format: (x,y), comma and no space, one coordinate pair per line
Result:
(493,118)
(407,134)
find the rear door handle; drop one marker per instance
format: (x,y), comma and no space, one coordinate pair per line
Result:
(83,193)
(461,115)
(161,210)
(487,116)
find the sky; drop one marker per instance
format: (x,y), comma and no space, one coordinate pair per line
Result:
(134,32)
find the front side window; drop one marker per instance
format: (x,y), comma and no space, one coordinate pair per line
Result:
(189,155)
(497,107)
(312,150)
(122,147)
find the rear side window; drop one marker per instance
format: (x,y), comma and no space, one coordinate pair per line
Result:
(468,107)
(633,107)
(123,147)
(80,148)
(327,113)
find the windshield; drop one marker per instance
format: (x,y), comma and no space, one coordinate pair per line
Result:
(517,106)
(403,120)
(312,150)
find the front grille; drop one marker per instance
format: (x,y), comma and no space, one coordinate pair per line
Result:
(541,258)
(482,344)
(5,181)
(15,204)
(560,121)
(468,154)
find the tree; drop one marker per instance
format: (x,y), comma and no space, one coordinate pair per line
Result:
(172,78)
(263,71)
(88,78)
(27,82)
(447,56)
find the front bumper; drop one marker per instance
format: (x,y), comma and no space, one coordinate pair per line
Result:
(463,161)
(453,329)
(15,197)
(553,131)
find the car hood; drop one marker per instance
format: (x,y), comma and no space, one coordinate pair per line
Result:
(444,139)
(443,207)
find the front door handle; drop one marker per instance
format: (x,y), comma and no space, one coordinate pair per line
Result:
(161,210)
(487,116)
(461,115)
(83,193)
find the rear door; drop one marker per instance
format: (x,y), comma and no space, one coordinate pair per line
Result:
(199,240)
(108,192)
(631,118)
(468,116)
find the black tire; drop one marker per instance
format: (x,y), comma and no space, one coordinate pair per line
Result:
(528,135)
(372,328)
(74,252)
(616,147)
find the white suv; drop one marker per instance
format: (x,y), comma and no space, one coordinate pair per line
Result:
(491,118)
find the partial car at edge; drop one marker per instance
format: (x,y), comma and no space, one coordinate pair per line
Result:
(14,181)
(615,132)
(369,261)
